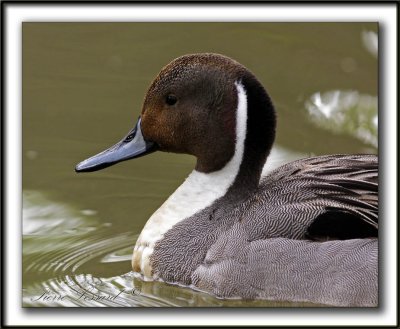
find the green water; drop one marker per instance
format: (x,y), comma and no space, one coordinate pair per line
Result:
(83,86)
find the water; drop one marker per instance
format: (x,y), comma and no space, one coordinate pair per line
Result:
(83,85)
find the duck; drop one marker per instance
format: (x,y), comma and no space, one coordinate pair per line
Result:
(305,232)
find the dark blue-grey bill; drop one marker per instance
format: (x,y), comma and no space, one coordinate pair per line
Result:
(132,146)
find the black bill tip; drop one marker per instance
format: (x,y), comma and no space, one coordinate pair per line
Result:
(131,146)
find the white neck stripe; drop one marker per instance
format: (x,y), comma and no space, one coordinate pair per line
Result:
(199,191)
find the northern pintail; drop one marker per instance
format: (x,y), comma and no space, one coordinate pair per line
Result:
(307,231)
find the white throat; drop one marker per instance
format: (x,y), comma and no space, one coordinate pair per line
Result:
(199,191)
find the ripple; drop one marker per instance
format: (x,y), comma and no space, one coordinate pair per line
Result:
(118,256)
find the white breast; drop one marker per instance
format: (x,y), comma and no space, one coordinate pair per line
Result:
(199,191)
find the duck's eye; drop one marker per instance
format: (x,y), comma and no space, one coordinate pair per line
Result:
(171,99)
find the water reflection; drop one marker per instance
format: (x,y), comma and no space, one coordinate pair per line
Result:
(42,216)
(370,42)
(346,112)
(86,290)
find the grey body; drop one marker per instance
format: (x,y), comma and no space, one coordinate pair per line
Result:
(338,273)
(263,247)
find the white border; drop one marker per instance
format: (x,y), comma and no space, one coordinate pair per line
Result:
(385,14)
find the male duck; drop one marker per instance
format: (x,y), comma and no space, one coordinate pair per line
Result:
(305,232)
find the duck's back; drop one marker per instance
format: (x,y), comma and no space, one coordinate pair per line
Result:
(318,198)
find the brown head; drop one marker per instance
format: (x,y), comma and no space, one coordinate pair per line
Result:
(191,108)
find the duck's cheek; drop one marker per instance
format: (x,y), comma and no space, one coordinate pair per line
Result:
(151,126)
(160,133)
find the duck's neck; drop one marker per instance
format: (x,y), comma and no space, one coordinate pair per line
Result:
(259,138)
(235,181)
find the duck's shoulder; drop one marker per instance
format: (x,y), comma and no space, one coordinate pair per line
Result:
(353,167)
(333,197)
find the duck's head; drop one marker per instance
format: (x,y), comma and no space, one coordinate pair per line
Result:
(204,105)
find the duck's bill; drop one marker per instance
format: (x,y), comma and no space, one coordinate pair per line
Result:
(132,146)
